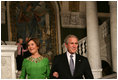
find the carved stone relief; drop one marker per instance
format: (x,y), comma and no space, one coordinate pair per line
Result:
(73,20)
(6,69)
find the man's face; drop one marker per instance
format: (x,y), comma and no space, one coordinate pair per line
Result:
(72,45)
(20,41)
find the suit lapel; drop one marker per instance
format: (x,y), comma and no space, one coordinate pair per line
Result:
(77,63)
(67,64)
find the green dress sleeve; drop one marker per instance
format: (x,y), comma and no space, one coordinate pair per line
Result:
(48,69)
(23,71)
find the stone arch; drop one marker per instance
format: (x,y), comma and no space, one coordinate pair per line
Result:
(106,59)
(56,7)
(57,22)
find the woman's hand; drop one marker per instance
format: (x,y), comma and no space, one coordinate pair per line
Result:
(55,74)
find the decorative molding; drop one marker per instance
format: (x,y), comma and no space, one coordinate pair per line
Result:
(6,48)
(10,42)
(73,20)
(97,73)
(113,4)
(105,15)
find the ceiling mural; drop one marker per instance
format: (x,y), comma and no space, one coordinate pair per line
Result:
(35,19)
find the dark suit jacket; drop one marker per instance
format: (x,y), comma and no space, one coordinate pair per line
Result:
(60,65)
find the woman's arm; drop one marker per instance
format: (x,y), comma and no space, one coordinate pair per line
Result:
(23,71)
(48,69)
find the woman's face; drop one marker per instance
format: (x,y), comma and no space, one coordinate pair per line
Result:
(32,47)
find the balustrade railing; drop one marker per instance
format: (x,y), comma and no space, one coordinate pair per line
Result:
(82,47)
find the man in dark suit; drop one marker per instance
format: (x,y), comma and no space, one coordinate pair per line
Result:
(71,65)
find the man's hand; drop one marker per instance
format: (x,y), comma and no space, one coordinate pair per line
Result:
(55,74)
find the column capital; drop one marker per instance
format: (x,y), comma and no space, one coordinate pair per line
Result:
(91,3)
(113,4)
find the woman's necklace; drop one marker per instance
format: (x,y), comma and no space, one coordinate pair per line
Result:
(32,59)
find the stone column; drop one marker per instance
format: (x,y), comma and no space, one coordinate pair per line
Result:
(93,45)
(3,9)
(8,21)
(113,28)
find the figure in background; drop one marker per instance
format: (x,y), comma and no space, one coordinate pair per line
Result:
(36,66)
(27,53)
(20,51)
(71,65)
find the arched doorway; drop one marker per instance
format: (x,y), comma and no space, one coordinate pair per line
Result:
(107,69)
(36,19)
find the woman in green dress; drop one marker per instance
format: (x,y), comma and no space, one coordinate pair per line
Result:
(35,66)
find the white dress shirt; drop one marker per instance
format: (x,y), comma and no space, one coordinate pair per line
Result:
(68,57)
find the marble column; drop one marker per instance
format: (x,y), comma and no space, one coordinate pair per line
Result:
(8,21)
(3,9)
(93,45)
(113,29)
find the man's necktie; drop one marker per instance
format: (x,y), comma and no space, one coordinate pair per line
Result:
(71,64)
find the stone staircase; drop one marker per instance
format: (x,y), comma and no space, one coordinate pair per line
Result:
(111,76)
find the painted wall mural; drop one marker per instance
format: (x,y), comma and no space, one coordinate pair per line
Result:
(35,19)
